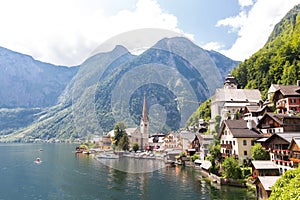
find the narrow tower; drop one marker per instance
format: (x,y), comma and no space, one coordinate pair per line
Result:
(144,127)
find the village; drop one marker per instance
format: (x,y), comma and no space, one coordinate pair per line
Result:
(245,120)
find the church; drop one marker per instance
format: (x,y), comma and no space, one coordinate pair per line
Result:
(139,135)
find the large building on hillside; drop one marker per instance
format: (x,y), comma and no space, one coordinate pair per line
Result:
(229,100)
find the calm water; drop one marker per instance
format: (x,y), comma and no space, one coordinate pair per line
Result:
(63,175)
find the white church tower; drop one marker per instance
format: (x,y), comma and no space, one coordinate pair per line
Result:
(144,127)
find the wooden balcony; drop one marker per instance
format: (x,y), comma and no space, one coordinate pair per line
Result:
(226,146)
(281,152)
(284,163)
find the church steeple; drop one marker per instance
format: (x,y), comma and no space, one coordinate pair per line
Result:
(144,113)
(144,126)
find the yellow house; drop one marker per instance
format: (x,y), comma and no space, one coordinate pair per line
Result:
(237,137)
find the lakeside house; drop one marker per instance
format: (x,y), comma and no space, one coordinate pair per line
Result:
(279,123)
(264,168)
(278,147)
(237,137)
(294,150)
(264,185)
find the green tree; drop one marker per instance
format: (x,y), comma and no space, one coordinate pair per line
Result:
(135,146)
(288,186)
(231,168)
(119,131)
(217,123)
(215,156)
(259,153)
(124,142)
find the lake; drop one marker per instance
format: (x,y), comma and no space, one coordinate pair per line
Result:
(65,175)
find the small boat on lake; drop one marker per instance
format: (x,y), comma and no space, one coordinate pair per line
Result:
(38,160)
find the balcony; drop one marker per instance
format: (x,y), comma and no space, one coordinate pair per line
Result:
(226,146)
(281,152)
(284,163)
(229,154)
(281,104)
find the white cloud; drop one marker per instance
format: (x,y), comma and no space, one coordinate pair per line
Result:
(216,46)
(244,3)
(255,26)
(66,32)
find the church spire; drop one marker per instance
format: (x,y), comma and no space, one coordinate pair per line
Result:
(144,114)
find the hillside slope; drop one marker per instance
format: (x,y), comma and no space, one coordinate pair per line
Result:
(278,61)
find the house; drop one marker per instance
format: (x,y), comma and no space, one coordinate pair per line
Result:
(237,137)
(264,185)
(105,142)
(155,141)
(186,138)
(264,168)
(278,146)
(294,150)
(171,141)
(200,143)
(254,112)
(279,123)
(286,97)
(228,100)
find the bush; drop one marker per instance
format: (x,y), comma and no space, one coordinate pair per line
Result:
(194,157)
(231,168)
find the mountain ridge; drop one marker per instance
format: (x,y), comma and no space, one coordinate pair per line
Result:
(75,115)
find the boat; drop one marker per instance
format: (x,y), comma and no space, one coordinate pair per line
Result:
(38,160)
(107,156)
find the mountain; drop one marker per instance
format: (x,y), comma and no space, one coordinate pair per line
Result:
(278,61)
(174,75)
(28,83)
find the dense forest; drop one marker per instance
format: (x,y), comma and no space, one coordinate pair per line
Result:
(278,61)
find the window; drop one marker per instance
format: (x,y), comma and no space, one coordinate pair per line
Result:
(222,141)
(244,142)
(233,142)
(245,153)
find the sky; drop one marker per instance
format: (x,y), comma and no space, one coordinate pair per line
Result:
(65,32)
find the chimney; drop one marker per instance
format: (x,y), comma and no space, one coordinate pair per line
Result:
(249,124)
(298,83)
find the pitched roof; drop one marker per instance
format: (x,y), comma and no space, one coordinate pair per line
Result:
(264,164)
(239,129)
(279,118)
(268,181)
(288,90)
(251,95)
(288,136)
(187,135)
(295,140)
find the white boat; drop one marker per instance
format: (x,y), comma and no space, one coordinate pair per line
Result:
(107,156)
(38,160)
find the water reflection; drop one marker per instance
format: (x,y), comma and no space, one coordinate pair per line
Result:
(133,165)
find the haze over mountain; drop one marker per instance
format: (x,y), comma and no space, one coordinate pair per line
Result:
(174,74)
(28,83)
